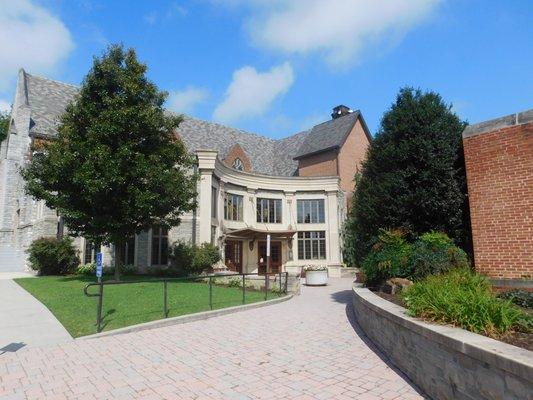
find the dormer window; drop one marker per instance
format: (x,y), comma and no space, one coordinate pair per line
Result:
(238,164)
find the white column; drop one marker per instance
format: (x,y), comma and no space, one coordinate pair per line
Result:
(334,254)
(206,166)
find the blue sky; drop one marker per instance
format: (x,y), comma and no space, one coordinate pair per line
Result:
(276,67)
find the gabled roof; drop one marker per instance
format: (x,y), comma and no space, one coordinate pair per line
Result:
(47,100)
(330,135)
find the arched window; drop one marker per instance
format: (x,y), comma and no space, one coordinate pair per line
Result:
(238,164)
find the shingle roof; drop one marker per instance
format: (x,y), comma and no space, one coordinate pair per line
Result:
(327,135)
(48,99)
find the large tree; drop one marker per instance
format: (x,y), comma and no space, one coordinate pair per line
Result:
(116,167)
(413,177)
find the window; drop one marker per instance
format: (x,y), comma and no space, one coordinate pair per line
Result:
(128,256)
(159,245)
(269,211)
(312,245)
(233,207)
(89,255)
(238,164)
(214,207)
(310,211)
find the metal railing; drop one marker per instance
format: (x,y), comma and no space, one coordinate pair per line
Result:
(202,278)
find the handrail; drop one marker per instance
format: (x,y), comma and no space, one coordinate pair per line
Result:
(165,281)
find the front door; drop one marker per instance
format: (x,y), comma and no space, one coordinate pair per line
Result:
(275,257)
(233,255)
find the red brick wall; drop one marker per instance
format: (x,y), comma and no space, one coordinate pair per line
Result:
(321,164)
(499,166)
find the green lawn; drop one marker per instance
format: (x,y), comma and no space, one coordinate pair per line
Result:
(127,304)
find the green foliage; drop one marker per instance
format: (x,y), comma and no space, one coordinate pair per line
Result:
(51,256)
(463,298)
(4,125)
(388,258)
(193,259)
(116,167)
(434,253)
(521,298)
(413,177)
(86,269)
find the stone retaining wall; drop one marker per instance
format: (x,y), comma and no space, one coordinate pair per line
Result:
(445,362)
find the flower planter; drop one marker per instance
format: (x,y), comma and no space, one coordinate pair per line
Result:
(316,278)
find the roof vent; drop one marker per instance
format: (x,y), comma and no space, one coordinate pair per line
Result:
(340,111)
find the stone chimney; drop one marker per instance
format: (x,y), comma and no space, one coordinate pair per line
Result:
(340,111)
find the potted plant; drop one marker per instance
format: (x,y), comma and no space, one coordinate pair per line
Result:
(316,275)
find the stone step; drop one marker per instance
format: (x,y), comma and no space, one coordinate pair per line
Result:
(349,272)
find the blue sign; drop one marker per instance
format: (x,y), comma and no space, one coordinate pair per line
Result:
(99,264)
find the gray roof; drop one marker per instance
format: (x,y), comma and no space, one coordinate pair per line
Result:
(47,100)
(327,135)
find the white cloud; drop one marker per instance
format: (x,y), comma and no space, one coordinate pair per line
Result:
(339,30)
(30,37)
(5,106)
(251,93)
(185,100)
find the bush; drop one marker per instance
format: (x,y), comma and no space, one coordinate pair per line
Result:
(51,256)
(434,253)
(388,258)
(191,259)
(86,269)
(521,298)
(463,298)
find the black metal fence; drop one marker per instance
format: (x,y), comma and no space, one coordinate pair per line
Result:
(280,287)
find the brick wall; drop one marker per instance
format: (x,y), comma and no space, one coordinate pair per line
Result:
(499,166)
(321,164)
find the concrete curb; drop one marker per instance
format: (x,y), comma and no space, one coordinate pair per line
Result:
(183,319)
(445,362)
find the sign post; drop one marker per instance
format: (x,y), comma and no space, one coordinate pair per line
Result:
(99,265)
(268,267)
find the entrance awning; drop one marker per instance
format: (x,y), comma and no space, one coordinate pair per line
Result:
(254,233)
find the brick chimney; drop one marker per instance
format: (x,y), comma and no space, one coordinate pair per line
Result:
(340,111)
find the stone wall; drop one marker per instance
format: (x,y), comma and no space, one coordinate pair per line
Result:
(499,168)
(445,362)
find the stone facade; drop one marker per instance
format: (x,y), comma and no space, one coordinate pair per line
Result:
(445,362)
(499,167)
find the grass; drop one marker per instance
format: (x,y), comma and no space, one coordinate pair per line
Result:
(130,304)
(463,298)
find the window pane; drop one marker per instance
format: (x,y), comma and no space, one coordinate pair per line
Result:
(278,211)
(300,249)
(300,211)
(271,212)
(164,251)
(259,211)
(213,202)
(321,213)
(88,252)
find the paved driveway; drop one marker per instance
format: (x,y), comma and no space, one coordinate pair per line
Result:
(306,348)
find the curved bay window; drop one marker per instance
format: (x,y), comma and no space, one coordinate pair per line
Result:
(159,245)
(233,207)
(269,211)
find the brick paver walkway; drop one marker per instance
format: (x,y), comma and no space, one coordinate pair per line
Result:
(305,348)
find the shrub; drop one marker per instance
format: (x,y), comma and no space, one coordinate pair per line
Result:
(51,256)
(86,269)
(434,253)
(192,259)
(521,298)
(388,258)
(463,298)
